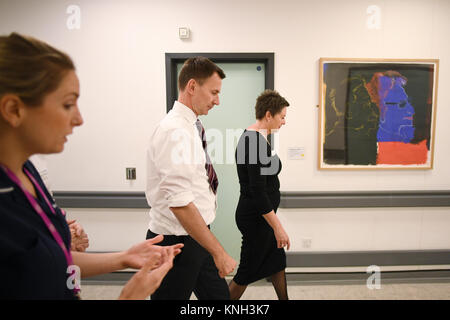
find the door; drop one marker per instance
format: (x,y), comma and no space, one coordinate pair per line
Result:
(223,126)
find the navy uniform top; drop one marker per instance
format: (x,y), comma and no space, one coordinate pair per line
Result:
(32,264)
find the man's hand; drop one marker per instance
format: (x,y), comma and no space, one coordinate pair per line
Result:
(225,264)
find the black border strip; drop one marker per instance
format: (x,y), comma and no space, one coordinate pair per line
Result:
(420,198)
(368,258)
(76,199)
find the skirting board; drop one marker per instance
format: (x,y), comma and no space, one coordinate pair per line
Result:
(327,259)
(330,259)
(319,278)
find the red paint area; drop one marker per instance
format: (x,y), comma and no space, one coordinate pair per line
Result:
(395,152)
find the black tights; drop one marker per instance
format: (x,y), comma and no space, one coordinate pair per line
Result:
(278,281)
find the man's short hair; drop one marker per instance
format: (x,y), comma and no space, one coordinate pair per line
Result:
(199,69)
(269,100)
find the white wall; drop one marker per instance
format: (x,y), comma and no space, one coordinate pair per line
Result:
(119,53)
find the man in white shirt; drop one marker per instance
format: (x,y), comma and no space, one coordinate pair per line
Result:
(182,186)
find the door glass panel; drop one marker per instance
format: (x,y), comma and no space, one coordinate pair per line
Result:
(224,125)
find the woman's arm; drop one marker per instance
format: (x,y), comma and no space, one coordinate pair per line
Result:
(258,186)
(92,264)
(281,235)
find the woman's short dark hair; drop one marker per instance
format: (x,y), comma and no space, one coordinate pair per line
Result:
(199,69)
(269,100)
(30,68)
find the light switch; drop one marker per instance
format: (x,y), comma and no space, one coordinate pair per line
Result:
(183,33)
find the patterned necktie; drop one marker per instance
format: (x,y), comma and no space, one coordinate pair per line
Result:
(212,176)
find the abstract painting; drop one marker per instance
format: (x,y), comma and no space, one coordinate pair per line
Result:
(377,113)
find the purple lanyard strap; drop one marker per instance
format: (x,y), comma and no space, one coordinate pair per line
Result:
(40,211)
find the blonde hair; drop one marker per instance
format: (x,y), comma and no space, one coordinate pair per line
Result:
(30,68)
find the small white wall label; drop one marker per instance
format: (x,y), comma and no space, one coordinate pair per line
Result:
(296,153)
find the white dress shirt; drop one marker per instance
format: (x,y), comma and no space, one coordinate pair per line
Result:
(176,173)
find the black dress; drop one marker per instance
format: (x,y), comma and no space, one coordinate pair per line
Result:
(260,194)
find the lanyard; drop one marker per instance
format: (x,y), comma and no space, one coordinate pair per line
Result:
(40,211)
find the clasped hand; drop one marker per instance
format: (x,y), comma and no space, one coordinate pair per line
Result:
(79,238)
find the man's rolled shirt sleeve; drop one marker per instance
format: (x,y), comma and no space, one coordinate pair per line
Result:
(175,168)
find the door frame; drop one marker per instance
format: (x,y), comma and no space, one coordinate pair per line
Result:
(172,59)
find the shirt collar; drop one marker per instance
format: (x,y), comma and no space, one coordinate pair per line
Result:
(184,111)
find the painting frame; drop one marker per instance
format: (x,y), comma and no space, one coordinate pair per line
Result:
(363,123)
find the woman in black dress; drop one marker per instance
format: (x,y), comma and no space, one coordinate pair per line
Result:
(263,236)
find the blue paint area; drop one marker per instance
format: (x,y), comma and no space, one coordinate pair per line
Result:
(396,113)
(258,68)
(325,68)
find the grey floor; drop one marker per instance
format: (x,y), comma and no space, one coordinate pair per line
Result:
(298,290)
